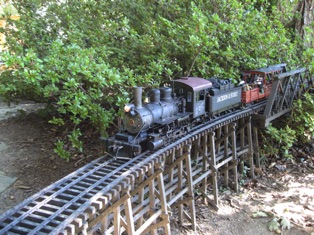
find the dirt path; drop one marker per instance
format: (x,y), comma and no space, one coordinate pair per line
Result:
(26,155)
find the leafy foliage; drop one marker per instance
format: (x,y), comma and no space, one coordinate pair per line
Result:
(278,141)
(6,7)
(83,56)
(299,127)
(302,118)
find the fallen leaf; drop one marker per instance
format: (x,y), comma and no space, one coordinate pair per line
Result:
(274,225)
(23,187)
(272,164)
(285,223)
(259,214)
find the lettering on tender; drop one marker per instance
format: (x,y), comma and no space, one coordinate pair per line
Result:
(227,96)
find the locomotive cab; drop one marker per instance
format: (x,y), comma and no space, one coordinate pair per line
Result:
(193,90)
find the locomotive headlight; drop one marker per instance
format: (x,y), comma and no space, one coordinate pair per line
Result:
(128,108)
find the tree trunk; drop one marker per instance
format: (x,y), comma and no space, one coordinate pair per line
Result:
(306,10)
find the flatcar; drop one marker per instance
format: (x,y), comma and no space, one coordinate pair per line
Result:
(182,104)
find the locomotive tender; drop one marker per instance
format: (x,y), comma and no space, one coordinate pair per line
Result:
(189,101)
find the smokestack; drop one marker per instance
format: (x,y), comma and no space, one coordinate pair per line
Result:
(138,97)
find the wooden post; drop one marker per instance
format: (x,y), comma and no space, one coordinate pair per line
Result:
(164,206)
(218,135)
(213,167)
(190,188)
(152,202)
(255,147)
(129,216)
(249,136)
(205,166)
(171,171)
(140,199)
(117,220)
(242,134)
(234,157)
(226,146)
(180,186)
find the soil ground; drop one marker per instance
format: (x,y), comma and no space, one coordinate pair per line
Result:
(282,192)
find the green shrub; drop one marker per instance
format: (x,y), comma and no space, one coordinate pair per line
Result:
(302,118)
(278,142)
(299,127)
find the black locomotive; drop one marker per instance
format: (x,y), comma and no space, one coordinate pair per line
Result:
(172,111)
(176,108)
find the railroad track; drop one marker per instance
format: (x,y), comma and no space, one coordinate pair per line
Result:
(52,209)
(61,206)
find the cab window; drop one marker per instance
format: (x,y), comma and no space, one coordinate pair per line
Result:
(199,95)
(189,96)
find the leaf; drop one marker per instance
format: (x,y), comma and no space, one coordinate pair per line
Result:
(285,223)
(259,214)
(274,225)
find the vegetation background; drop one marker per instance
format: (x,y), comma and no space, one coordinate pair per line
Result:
(82,57)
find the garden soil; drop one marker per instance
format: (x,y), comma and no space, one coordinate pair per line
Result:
(282,192)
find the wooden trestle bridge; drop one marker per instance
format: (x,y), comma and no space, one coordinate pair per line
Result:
(137,196)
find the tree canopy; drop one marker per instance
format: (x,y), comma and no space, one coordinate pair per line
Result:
(83,56)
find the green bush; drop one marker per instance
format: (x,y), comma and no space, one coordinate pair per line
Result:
(278,141)
(302,118)
(299,128)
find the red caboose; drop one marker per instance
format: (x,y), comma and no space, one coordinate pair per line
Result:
(258,82)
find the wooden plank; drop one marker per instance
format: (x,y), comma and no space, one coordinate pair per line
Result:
(163,202)
(213,167)
(178,196)
(162,223)
(210,201)
(205,166)
(190,188)
(148,223)
(234,158)
(152,200)
(226,144)
(117,220)
(129,216)
(251,159)
(180,186)
(149,180)
(109,210)
(255,147)
(171,170)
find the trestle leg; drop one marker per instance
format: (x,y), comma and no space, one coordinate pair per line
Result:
(234,158)
(251,152)
(255,147)
(213,167)
(226,147)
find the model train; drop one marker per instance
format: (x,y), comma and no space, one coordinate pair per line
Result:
(176,108)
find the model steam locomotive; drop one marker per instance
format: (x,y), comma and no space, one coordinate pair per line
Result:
(176,108)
